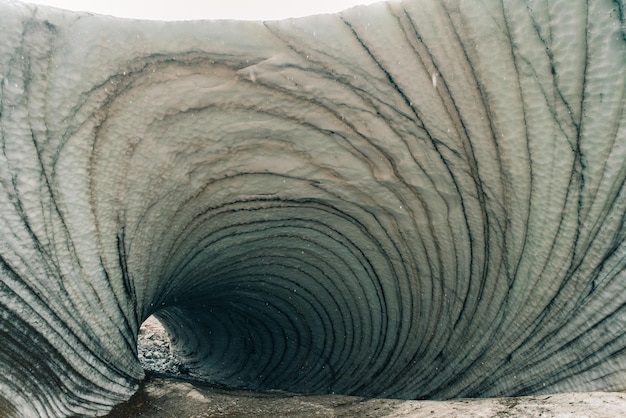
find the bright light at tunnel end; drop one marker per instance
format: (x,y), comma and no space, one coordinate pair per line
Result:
(213,9)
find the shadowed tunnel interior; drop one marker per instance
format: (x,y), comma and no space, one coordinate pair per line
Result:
(414,200)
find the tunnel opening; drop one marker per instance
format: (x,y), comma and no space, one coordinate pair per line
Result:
(268,300)
(155,352)
(240,341)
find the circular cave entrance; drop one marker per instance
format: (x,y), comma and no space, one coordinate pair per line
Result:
(155,351)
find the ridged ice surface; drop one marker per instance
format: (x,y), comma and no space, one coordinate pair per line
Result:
(422,199)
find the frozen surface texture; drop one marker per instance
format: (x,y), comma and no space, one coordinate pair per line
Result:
(419,199)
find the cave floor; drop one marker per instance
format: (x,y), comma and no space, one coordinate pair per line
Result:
(161,397)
